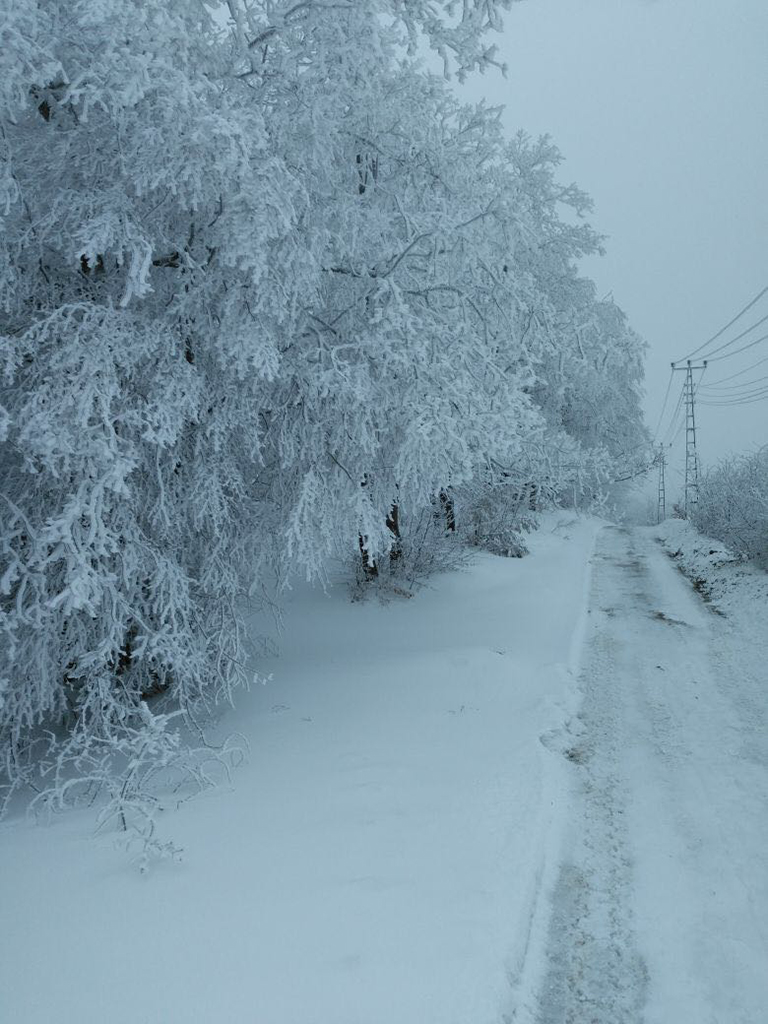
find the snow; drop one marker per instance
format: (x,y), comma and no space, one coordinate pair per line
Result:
(661,906)
(384,854)
(701,820)
(731,583)
(535,792)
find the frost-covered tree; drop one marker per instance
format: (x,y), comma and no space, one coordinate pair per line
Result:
(396,389)
(267,292)
(588,361)
(150,271)
(458,32)
(733,505)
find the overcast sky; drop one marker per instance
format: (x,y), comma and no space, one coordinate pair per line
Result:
(660,108)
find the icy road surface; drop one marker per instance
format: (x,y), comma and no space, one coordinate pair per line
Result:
(660,912)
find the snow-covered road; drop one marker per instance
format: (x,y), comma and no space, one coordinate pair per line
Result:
(660,912)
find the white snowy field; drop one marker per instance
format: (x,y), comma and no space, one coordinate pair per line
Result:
(382,858)
(534,793)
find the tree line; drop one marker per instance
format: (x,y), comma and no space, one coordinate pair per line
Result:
(268,293)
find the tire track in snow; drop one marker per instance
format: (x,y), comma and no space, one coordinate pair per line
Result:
(595,973)
(668,865)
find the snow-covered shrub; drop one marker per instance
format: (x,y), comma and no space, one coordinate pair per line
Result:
(427,541)
(733,505)
(496,516)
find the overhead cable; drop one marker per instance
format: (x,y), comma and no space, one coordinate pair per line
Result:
(732,387)
(738,396)
(732,405)
(730,323)
(727,355)
(733,376)
(759,395)
(744,333)
(673,421)
(664,406)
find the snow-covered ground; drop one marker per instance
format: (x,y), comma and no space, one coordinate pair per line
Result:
(381,858)
(661,909)
(537,792)
(735,587)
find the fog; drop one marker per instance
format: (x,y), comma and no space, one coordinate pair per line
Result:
(659,108)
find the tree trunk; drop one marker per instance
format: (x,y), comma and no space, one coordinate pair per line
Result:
(449,511)
(393,525)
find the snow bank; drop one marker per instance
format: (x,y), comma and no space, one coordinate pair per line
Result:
(732,585)
(383,857)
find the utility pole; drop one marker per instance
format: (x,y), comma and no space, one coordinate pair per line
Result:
(691,456)
(661,512)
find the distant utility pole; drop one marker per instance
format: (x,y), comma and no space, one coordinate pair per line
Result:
(691,457)
(661,512)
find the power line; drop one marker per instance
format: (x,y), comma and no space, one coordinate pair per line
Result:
(675,439)
(739,374)
(738,337)
(731,399)
(732,387)
(676,427)
(730,323)
(673,421)
(740,394)
(664,406)
(755,396)
(734,405)
(743,348)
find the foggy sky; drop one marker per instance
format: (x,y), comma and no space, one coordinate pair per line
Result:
(659,107)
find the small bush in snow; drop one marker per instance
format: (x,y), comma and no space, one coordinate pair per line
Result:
(424,545)
(500,516)
(733,505)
